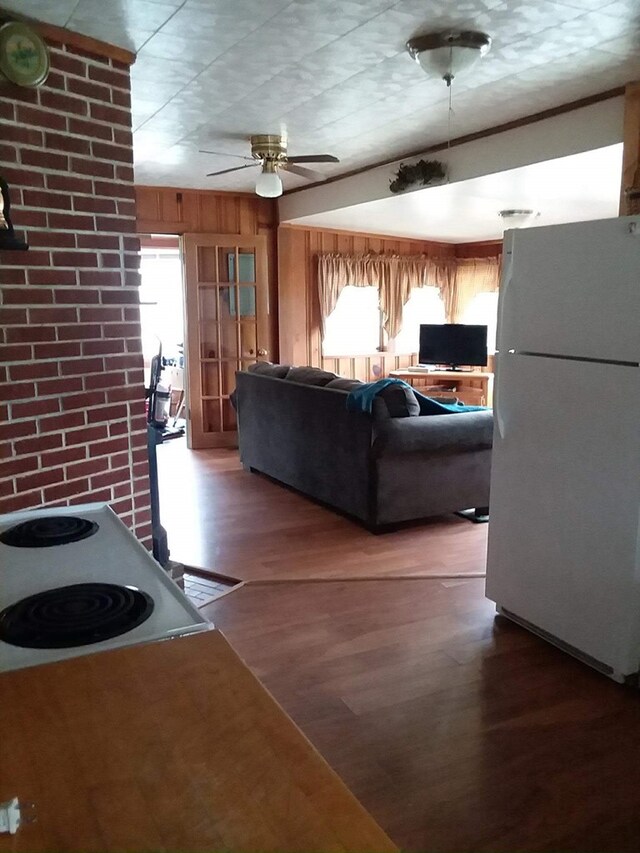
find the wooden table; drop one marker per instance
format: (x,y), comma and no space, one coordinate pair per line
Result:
(472,387)
(169,746)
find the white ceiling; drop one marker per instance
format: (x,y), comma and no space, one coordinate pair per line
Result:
(568,189)
(335,73)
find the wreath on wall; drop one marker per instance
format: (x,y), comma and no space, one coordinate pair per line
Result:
(423,173)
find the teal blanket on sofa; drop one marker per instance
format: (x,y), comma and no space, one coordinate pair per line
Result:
(361,399)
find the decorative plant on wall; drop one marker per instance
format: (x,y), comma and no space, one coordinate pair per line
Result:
(423,173)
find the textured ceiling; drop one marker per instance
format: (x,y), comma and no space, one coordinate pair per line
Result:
(335,74)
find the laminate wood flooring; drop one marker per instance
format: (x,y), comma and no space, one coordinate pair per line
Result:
(456,729)
(224,519)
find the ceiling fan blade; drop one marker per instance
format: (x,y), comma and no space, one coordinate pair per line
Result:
(235,169)
(224,154)
(313,158)
(309,174)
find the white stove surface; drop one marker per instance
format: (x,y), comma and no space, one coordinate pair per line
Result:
(112,555)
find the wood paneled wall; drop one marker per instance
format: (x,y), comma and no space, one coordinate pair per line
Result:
(167,210)
(484,249)
(300,339)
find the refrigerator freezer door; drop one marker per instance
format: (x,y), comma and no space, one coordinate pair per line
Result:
(572,290)
(565,496)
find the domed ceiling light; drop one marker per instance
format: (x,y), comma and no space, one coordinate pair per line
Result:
(450,53)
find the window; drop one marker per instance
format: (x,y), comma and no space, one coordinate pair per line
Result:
(483,310)
(425,305)
(161,311)
(353,327)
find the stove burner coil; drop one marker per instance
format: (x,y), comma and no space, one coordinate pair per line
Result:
(47,531)
(75,615)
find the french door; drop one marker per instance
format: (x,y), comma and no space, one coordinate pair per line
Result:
(227,328)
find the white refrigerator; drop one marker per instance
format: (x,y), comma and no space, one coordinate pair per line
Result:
(563,557)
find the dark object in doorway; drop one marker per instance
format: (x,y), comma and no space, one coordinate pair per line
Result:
(8,239)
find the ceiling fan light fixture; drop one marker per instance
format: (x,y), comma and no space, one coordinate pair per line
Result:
(450,53)
(269,184)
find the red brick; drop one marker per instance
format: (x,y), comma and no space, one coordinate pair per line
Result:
(120,297)
(121,330)
(126,208)
(17,430)
(111,259)
(62,457)
(122,506)
(83,401)
(35,408)
(118,224)
(52,239)
(109,478)
(67,420)
(113,445)
(50,200)
(88,468)
(100,314)
(60,103)
(57,350)
(38,443)
(45,160)
(78,51)
(119,460)
(34,370)
(123,137)
(11,275)
(24,135)
(125,392)
(41,118)
(100,278)
(8,153)
(60,386)
(132,244)
(111,78)
(87,435)
(18,466)
(106,151)
(90,128)
(30,334)
(124,489)
(121,99)
(33,218)
(26,296)
(18,316)
(40,479)
(120,428)
(53,315)
(24,501)
(90,204)
(70,144)
(92,167)
(18,391)
(27,259)
(115,190)
(69,184)
(22,177)
(79,332)
(132,279)
(6,110)
(65,490)
(89,89)
(80,366)
(109,347)
(107,413)
(71,222)
(106,380)
(52,277)
(15,353)
(69,64)
(98,241)
(77,296)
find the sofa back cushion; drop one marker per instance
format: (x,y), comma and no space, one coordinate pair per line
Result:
(343,384)
(310,376)
(266,368)
(395,401)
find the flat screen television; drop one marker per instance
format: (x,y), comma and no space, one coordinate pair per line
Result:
(453,344)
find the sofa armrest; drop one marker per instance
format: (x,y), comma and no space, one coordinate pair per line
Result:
(460,432)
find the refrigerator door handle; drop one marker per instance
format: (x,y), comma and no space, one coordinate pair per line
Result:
(507,268)
(497,411)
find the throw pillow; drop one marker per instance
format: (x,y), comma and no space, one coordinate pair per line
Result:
(400,401)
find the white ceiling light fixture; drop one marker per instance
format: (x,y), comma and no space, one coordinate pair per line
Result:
(269,183)
(518,217)
(450,53)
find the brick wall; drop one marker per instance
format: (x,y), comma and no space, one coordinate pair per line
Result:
(72,425)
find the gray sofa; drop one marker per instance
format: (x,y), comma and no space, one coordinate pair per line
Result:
(386,467)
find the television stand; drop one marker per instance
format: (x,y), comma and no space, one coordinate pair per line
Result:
(475,388)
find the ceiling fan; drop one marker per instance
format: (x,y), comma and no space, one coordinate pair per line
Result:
(270,152)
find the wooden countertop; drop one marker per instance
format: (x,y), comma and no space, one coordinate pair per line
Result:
(167,746)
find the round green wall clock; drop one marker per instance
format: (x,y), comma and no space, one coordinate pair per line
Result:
(24,58)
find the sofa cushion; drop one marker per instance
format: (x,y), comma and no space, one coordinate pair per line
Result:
(343,384)
(310,376)
(436,434)
(399,400)
(266,368)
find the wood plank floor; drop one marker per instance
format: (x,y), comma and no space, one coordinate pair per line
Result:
(457,730)
(222,518)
